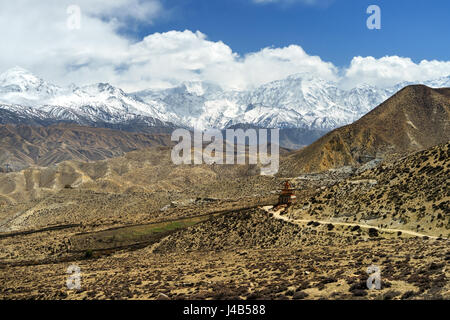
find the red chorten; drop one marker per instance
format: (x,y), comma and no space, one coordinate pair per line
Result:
(287,195)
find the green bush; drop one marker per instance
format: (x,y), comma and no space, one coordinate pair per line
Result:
(88,254)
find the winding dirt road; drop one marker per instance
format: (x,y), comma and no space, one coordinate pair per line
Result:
(277,215)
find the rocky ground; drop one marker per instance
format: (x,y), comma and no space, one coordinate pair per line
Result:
(248,255)
(409,193)
(139,231)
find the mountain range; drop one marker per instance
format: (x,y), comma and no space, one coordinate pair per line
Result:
(303,107)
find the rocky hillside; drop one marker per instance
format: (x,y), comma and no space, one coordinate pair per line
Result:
(410,193)
(415,118)
(23,146)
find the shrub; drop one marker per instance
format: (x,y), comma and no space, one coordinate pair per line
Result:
(373,232)
(300,295)
(391,294)
(408,294)
(359,293)
(88,254)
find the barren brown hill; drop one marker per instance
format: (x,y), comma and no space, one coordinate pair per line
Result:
(129,186)
(23,146)
(415,118)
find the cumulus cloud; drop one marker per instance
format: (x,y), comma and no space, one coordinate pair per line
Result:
(391,70)
(37,38)
(271,64)
(165,59)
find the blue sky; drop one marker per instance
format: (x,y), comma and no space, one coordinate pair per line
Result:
(237,44)
(335,30)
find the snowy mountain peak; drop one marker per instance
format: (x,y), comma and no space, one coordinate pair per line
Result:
(197,88)
(303,76)
(102,88)
(364,86)
(443,82)
(20,86)
(22,79)
(16,73)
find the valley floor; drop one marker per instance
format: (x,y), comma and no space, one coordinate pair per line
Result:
(247,254)
(141,230)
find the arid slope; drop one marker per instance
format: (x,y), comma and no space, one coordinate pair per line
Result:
(415,118)
(23,146)
(410,193)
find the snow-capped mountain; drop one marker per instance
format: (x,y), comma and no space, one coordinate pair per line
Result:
(19,86)
(299,101)
(101,102)
(29,96)
(320,104)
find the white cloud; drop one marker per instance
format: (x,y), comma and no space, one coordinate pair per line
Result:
(271,64)
(38,39)
(163,59)
(391,70)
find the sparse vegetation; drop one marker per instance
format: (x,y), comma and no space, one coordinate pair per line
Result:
(145,231)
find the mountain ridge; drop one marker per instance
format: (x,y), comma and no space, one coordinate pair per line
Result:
(298,101)
(415,118)
(22,146)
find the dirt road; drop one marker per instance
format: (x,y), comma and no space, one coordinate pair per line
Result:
(277,215)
